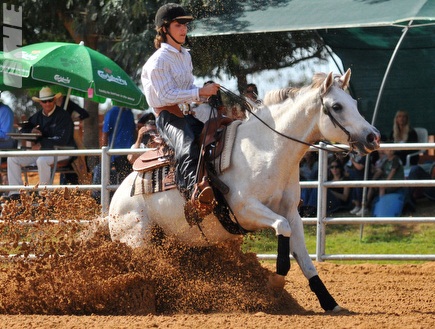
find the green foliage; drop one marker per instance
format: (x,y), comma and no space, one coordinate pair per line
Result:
(345,239)
(124,31)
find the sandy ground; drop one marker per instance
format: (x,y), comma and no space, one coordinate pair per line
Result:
(101,284)
(389,296)
(378,296)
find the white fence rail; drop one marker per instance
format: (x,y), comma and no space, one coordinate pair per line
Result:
(321,220)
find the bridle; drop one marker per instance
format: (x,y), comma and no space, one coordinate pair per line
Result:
(247,106)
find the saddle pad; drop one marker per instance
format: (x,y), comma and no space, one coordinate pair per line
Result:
(149,160)
(153,181)
(224,160)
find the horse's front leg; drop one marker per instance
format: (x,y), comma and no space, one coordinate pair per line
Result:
(253,215)
(300,253)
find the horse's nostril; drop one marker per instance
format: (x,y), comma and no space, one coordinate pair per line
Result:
(370,138)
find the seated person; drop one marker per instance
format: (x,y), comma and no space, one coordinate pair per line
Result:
(390,168)
(404,133)
(251,92)
(55,128)
(308,171)
(146,133)
(337,198)
(76,111)
(414,193)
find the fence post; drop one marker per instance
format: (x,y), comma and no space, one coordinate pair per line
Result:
(322,204)
(105,180)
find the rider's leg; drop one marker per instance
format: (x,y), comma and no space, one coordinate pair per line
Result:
(178,133)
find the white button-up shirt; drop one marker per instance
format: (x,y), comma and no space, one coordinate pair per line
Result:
(167,77)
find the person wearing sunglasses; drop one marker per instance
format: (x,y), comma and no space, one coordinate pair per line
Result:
(54,127)
(337,198)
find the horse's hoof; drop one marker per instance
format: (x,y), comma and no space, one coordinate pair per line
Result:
(339,309)
(276,284)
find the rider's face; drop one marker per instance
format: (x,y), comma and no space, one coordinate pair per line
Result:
(178,31)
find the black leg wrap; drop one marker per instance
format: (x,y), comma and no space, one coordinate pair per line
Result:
(283,259)
(326,300)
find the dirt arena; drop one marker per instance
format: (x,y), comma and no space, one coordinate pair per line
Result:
(101,284)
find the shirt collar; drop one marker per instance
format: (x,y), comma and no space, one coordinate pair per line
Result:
(49,113)
(167,46)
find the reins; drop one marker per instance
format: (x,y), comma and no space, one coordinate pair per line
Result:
(246,105)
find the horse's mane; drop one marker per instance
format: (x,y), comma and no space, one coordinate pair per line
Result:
(278,96)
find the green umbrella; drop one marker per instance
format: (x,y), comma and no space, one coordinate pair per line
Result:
(81,70)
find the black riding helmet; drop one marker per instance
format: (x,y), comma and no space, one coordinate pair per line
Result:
(171,12)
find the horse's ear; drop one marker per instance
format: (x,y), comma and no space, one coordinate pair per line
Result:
(329,81)
(345,80)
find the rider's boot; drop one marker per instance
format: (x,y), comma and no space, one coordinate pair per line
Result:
(203,198)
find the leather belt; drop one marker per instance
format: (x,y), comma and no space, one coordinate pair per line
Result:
(178,110)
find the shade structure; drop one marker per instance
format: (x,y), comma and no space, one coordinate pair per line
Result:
(80,69)
(388,72)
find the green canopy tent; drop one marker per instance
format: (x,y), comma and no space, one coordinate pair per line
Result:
(389,45)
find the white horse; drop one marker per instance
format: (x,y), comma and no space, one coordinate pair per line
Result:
(263,178)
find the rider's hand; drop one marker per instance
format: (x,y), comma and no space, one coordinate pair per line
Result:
(209,90)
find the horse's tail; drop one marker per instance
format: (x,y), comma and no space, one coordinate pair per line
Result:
(276,96)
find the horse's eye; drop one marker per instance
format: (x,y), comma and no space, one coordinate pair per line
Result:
(337,107)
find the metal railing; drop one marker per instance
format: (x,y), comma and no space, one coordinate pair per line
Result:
(321,220)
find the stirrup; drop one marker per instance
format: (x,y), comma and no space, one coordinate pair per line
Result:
(203,193)
(206,196)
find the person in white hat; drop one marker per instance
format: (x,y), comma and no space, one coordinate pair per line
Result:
(167,81)
(55,127)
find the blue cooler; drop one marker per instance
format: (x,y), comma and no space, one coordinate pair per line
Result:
(389,205)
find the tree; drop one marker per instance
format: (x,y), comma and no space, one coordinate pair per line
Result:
(124,31)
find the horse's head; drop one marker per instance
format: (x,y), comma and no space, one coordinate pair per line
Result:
(340,120)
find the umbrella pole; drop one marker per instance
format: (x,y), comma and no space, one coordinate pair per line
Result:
(68,94)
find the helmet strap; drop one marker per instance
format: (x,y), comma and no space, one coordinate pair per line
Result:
(180,43)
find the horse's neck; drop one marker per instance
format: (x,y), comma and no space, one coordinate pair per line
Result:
(296,118)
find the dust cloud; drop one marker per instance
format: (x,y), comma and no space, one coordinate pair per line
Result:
(55,272)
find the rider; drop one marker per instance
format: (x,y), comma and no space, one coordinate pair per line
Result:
(167,81)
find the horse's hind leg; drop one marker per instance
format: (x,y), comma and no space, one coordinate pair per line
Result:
(128,219)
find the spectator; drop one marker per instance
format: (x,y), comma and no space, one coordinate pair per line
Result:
(308,171)
(251,92)
(337,198)
(123,120)
(3,181)
(6,126)
(123,137)
(146,133)
(355,168)
(55,128)
(414,193)
(404,133)
(390,168)
(76,111)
